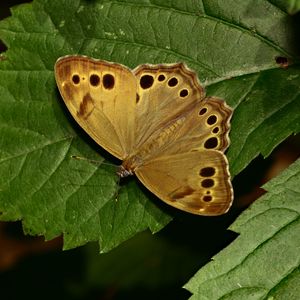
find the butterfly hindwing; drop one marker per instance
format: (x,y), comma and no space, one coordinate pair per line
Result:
(206,126)
(197,182)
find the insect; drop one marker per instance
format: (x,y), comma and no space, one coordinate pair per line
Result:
(157,120)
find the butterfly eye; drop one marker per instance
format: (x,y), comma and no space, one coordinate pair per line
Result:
(173,82)
(207,172)
(211,143)
(161,77)
(75,79)
(146,81)
(211,120)
(183,93)
(108,81)
(202,111)
(94,80)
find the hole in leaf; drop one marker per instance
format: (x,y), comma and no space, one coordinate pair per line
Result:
(282,61)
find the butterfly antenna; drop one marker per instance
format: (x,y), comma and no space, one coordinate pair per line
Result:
(116,195)
(100,162)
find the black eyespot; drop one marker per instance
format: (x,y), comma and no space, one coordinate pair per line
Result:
(211,143)
(161,77)
(108,81)
(207,183)
(207,198)
(94,80)
(146,81)
(173,82)
(184,93)
(211,120)
(207,172)
(75,79)
(202,111)
(216,130)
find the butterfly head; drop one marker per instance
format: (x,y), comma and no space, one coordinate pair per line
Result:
(123,172)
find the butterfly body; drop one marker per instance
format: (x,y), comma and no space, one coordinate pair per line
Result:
(157,120)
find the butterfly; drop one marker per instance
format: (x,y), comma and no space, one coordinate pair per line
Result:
(157,120)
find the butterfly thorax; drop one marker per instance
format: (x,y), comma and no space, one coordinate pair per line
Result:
(128,166)
(149,148)
(160,139)
(122,172)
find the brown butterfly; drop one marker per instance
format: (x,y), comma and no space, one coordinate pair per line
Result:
(157,120)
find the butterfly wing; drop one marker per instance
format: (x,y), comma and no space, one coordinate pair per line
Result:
(172,112)
(197,182)
(205,126)
(165,92)
(101,96)
(181,140)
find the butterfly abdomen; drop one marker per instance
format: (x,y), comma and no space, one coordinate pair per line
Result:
(150,148)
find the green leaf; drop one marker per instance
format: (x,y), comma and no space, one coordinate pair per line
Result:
(263,262)
(152,254)
(290,6)
(232,45)
(266,112)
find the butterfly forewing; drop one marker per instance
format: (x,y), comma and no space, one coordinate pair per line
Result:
(101,97)
(165,92)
